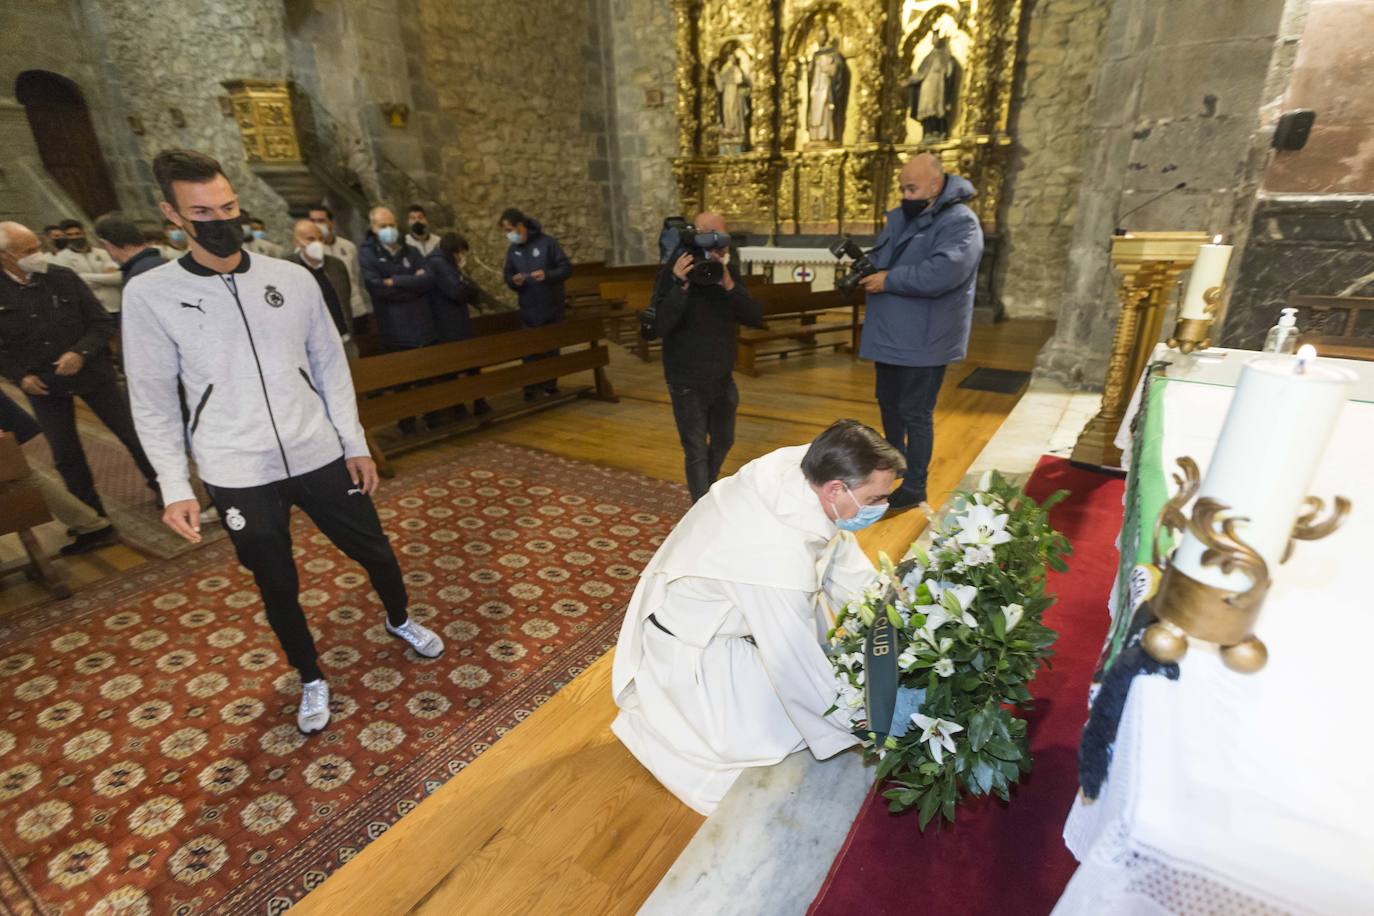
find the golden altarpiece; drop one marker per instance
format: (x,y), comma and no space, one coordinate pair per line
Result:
(795,117)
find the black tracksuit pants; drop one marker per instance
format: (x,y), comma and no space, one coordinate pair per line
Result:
(258,520)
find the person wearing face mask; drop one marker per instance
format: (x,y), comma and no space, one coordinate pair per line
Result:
(399,285)
(920,308)
(720,664)
(255,239)
(53,240)
(174,245)
(55,346)
(698,325)
(339,247)
(451,300)
(535,268)
(274,417)
(126,246)
(419,237)
(96,269)
(329,272)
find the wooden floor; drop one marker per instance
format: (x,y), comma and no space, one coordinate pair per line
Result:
(557,817)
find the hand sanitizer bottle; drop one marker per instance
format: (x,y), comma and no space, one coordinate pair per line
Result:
(1283,337)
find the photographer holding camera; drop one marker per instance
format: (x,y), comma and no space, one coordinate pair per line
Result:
(699,300)
(920,308)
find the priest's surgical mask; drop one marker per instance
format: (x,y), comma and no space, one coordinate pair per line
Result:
(866,515)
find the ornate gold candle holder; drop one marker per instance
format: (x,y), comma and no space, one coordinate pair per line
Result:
(1187,608)
(1195,333)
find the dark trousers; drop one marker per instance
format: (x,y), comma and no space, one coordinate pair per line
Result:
(258,520)
(906,398)
(56,415)
(705,416)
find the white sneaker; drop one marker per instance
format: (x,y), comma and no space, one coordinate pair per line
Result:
(423,640)
(313,714)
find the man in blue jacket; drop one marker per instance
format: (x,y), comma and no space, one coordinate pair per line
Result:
(536,267)
(395,276)
(920,308)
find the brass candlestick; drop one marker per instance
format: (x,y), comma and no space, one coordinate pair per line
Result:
(1194,333)
(1187,608)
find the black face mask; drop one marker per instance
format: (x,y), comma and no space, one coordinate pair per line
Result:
(59,243)
(419,229)
(914,208)
(221,237)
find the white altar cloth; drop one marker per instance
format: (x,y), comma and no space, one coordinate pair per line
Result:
(793,265)
(1233,793)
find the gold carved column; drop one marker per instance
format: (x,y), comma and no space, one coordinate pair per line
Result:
(1149,263)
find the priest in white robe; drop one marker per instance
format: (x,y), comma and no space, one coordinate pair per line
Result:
(720,663)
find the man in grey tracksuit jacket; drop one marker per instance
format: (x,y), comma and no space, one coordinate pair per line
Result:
(236,354)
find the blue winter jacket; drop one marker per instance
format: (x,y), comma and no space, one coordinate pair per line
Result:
(403,314)
(925,311)
(541,301)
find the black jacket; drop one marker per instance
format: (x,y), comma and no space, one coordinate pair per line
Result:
(146,259)
(403,314)
(54,314)
(454,293)
(332,277)
(698,327)
(541,301)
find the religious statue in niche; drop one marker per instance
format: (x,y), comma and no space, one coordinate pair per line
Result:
(733,100)
(934,90)
(828,92)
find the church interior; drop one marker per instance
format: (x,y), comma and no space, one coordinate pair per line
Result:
(1115,256)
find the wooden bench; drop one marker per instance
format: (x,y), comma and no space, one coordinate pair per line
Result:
(1346,344)
(484,366)
(795,316)
(21,510)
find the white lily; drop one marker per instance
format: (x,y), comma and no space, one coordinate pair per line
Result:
(982,526)
(1013,614)
(938,735)
(906,659)
(945,645)
(985,481)
(978,555)
(944,667)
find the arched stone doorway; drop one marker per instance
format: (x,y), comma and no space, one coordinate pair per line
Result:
(66,140)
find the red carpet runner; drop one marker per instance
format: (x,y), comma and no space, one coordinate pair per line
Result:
(1002,859)
(149,757)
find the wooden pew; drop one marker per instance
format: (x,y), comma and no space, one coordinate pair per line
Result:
(794,316)
(21,510)
(1347,343)
(496,357)
(586,299)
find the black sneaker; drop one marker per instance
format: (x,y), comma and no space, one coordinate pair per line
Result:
(92,540)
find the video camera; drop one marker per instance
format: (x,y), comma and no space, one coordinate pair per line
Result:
(860,267)
(676,238)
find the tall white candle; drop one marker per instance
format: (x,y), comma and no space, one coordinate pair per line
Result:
(1280,420)
(1208,270)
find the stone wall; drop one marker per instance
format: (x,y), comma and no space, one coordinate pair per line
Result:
(1060,53)
(156,59)
(523,87)
(49,37)
(640,58)
(1177,99)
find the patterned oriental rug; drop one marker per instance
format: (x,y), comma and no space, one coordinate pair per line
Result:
(131,505)
(149,757)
